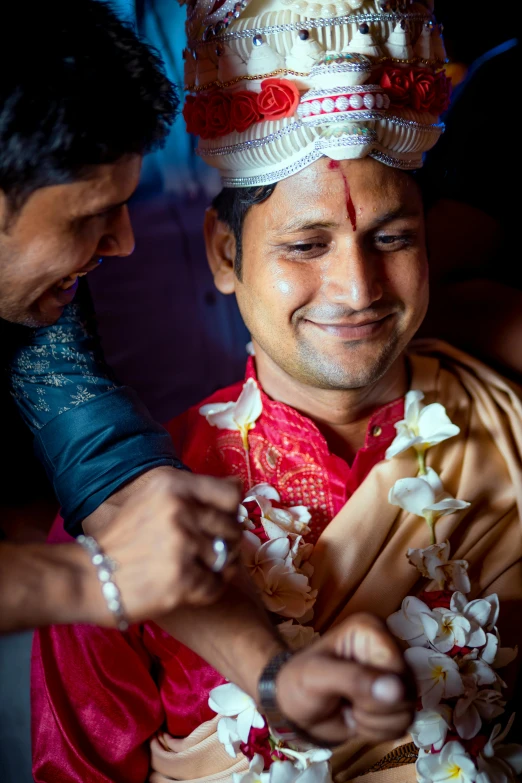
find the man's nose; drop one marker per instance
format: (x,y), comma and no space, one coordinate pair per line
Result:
(119,240)
(352,278)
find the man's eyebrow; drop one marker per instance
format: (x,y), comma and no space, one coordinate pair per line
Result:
(104,209)
(303,224)
(393,214)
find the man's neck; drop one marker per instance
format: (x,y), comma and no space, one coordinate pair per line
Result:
(341,415)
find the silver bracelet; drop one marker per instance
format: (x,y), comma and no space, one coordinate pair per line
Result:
(105,568)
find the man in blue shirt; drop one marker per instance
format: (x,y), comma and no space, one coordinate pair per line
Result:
(81,101)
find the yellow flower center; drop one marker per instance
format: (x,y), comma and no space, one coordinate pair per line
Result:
(438,673)
(454,772)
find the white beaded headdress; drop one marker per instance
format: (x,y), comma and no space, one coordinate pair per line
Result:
(275,84)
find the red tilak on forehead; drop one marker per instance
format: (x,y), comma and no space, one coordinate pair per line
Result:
(334,164)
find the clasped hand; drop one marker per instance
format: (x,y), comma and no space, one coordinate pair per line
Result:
(352,682)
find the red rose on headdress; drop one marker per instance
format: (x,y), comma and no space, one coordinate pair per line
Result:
(423,89)
(188,110)
(244,111)
(278,98)
(442,99)
(195,114)
(218,106)
(397,83)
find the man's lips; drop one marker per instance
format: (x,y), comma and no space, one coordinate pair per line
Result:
(64,296)
(65,291)
(353,330)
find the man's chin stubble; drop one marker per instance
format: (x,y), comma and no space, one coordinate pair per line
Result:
(320,373)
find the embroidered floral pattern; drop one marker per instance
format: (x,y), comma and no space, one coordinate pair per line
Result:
(57,370)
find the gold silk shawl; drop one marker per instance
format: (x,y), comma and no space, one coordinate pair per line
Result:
(360,558)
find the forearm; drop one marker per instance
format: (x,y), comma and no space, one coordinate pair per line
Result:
(46,585)
(106,512)
(234,635)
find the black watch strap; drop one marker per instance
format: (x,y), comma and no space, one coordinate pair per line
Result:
(267,690)
(281,727)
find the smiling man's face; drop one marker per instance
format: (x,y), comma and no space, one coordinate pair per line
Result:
(60,233)
(334,278)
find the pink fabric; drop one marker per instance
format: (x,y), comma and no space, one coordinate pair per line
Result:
(99,696)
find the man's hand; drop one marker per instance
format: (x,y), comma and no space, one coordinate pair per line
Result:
(352,682)
(161,533)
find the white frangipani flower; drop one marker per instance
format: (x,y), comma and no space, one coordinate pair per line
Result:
(423,426)
(286,772)
(430,727)
(482,611)
(437,675)
(230,701)
(298,556)
(433,563)
(425,497)
(296,636)
(305,758)
(240,415)
(228,736)
(287,593)
(500,763)
(277,522)
(254,774)
(472,665)
(453,630)
(474,706)
(259,558)
(451,764)
(415,623)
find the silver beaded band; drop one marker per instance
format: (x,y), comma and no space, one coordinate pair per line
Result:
(105,568)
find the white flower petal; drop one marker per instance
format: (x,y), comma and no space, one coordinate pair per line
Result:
(412,407)
(412,495)
(433,479)
(215,407)
(400,444)
(229,700)
(283,772)
(249,406)
(434,424)
(263,490)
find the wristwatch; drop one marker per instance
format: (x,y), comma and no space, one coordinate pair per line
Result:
(281,727)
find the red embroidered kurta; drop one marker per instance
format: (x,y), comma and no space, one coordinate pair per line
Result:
(99,696)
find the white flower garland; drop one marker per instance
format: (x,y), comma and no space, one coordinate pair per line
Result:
(454,647)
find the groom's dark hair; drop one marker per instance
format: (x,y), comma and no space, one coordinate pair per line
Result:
(78,88)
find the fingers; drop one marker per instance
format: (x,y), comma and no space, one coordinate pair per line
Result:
(211,522)
(366,639)
(336,699)
(222,494)
(379,727)
(369,688)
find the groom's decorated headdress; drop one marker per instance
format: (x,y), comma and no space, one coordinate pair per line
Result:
(275,84)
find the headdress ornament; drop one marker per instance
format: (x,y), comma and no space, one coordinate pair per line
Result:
(275,84)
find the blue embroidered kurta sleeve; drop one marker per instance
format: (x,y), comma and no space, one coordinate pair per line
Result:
(91,434)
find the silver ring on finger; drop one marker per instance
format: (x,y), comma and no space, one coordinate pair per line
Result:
(221,551)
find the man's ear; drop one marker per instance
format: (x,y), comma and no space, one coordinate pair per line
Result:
(220,244)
